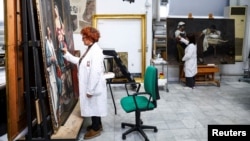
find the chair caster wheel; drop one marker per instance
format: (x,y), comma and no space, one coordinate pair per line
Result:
(155,130)
(122,125)
(146,139)
(123,137)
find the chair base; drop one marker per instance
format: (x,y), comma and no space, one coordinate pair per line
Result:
(137,127)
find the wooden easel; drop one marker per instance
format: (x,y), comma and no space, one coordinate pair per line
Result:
(205,75)
(190,16)
(210,16)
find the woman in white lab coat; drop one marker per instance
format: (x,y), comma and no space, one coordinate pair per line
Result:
(92,84)
(190,58)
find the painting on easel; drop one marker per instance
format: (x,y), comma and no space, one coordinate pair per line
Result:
(214,38)
(55,33)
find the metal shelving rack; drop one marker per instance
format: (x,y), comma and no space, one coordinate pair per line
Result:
(160,39)
(163,64)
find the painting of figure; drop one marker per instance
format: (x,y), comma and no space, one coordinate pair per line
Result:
(214,39)
(81,12)
(56,33)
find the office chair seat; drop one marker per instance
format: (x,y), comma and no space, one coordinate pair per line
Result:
(141,102)
(128,104)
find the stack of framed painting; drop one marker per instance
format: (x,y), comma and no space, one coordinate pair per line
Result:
(56,29)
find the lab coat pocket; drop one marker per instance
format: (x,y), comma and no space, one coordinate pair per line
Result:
(99,89)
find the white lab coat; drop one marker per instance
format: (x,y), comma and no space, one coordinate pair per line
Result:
(91,81)
(190,58)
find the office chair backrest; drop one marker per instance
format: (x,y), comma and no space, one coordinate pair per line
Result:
(151,83)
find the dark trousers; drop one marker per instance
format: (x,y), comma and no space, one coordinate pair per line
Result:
(190,81)
(96,123)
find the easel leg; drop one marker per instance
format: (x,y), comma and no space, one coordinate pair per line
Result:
(112,96)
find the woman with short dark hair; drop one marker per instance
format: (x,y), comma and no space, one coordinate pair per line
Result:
(190,58)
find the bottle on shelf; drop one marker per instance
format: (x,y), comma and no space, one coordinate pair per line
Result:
(161,75)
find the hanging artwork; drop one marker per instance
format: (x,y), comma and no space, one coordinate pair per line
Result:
(81,12)
(55,33)
(214,38)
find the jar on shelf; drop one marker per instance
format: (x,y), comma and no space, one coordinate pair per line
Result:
(161,75)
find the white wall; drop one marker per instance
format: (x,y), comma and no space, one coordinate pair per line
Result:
(124,7)
(121,7)
(197,7)
(176,8)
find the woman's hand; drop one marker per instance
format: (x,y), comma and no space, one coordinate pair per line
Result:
(52,59)
(64,49)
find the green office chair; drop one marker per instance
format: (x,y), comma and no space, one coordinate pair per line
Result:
(141,102)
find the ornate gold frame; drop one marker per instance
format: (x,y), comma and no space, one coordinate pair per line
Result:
(142,17)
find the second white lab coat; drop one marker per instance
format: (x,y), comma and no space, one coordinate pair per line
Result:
(190,58)
(91,81)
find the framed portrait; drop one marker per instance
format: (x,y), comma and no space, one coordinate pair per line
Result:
(116,69)
(215,40)
(55,33)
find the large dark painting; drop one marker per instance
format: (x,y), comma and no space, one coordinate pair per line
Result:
(55,33)
(214,37)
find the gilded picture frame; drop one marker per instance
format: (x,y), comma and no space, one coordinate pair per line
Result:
(141,17)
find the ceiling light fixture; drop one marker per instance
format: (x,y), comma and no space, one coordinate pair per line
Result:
(147,4)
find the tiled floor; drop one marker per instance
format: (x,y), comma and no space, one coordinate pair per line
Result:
(182,114)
